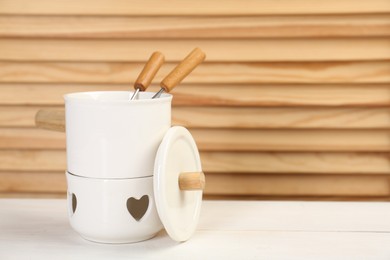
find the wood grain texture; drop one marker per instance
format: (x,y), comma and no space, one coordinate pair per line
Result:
(229,184)
(35,195)
(298,185)
(241,117)
(200,7)
(231,140)
(62,195)
(269,95)
(220,73)
(292,140)
(217,50)
(122,27)
(227,162)
(22,139)
(32,182)
(33,160)
(296,163)
(19,116)
(281,118)
(292,101)
(284,95)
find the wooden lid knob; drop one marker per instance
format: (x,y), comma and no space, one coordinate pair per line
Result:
(182,70)
(192,181)
(149,71)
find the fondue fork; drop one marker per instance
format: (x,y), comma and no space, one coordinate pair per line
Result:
(181,71)
(147,74)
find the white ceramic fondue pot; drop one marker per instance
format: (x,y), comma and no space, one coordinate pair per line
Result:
(129,172)
(108,136)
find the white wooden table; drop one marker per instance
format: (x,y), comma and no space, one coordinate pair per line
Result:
(39,229)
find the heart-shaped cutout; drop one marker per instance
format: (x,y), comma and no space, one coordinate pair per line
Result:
(74,203)
(138,207)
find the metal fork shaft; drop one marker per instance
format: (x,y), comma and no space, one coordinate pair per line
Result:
(158,94)
(135,94)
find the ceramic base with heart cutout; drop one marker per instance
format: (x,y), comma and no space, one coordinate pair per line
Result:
(112,210)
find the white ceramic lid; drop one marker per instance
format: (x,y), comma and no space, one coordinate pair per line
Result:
(178,210)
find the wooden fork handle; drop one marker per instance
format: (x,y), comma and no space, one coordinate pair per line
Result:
(182,70)
(149,71)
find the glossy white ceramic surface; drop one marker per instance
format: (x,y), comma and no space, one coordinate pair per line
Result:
(100,209)
(109,136)
(178,210)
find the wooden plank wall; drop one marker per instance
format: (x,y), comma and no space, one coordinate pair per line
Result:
(293,101)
